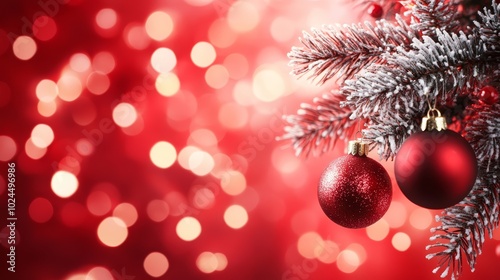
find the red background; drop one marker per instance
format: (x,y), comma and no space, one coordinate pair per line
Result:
(280,194)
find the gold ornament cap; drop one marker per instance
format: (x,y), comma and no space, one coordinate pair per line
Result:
(358,148)
(433,121)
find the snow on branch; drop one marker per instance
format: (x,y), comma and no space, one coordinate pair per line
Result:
(431,15)
(343,51)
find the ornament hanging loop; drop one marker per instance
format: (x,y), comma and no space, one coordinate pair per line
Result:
(433,121)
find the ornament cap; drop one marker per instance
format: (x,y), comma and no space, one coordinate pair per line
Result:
(358,148)
(433,121)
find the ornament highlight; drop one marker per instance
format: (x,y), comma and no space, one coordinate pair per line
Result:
(435,168)
(355,191)
(489,95)
(375,10)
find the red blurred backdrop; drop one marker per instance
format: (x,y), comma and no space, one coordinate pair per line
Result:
(143,135)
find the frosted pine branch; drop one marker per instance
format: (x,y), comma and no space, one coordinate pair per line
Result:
(432,15)
(316,127)
(348,49)
(463,229)
(488,30)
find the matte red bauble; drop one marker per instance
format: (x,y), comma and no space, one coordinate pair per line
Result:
(435,169)
(355,191)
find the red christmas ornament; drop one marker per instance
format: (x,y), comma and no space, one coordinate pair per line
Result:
(488,95)
(375,10)
(354,190)
(435,168)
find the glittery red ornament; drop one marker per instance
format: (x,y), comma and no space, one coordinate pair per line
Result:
(355,191)
(488,95)
(375,10)
(435,169)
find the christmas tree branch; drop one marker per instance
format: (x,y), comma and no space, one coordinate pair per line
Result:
(431,15)
(346,50)
(316,127)
(463,229)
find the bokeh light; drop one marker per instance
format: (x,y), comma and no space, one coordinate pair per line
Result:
(167,84)
(378,231)
(216,76)
(163,60)
(159,25)
(24,47)
(309,244)
(163,154)
(46,90)
(203,54)
(99,273)
(233,182)
(348,261)
(99,203)
(156,264)
(157,210)
(112,231)
(44,28)
(41,210)
(79,62)
(64,184)
(401,241)
(70,87)
(421,218)
(201,163)
(42,135)
(8,148)
(106,18)
(236,216)
(243,16)
(124,114)
(127,213)
(188,228)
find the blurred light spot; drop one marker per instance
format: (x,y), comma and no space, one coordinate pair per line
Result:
(98,203)
(112,232)
(216,76)
(8,148)
(70,87)
(136,128)
(135,36)
(203,137)
(44,28)
(203,54)
(177,203)
(421,218)
(201,163)
(199,2)
(156,264)
(243,16)
(163,60)
(46,109)
(233,182)
(308,244)
(127,213)
(188,229)
(401,241)
(233,116)
(235,216)
(78,276)
(203,198)
(497,250)
(159,26)
(185,154)
(167,84)
(348,261)
(42,135)
(103,62)
(249,199)
(378,231)
(84,147)
(221,261)
(207,262)
(98,83)
(268,85)
(242,93)
(163,154)
(237,65)
(46,90)
(5,93)
(33,151)
(24,47)
(41,210)
(220,35)
(106,18)
(124,114)
(157,210)
(79,62)
(64,184)
(327,251)
(282,29)
(99,273)
(396,214)
(360,251)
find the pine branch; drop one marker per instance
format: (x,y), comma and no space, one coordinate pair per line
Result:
(317,127)
(448,65)
(488,30)
(463,229)
(483,133)
(348,49)
(432,15)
